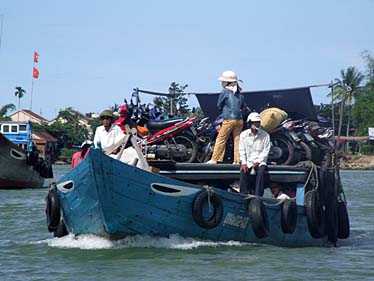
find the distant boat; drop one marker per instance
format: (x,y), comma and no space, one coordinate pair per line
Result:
(105,197)
(20,166)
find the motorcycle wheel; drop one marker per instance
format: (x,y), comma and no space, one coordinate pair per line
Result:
(287,148)
(306,151)
(206,153)
(191,148)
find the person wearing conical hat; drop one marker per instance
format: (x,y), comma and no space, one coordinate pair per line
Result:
(230,103)
(107,134)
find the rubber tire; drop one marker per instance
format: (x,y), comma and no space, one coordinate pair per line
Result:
(290,148)
(61,230)
(197,210)
(258,217)
(307,151)
(289,216)
(343,220)
(192,142)
(315,215)
(52,210)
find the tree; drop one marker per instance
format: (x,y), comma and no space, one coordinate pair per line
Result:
(352,78)
(19,93)
(177,98)
(4,110)
(115,107)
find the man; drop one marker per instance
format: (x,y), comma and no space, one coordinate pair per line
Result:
(79,155)
(108,134)
(254,147)
(230,103)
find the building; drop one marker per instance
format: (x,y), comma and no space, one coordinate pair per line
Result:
(25,115)
(46,144)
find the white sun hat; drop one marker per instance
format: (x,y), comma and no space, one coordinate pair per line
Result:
(86,142)
(254,116)
(229,76)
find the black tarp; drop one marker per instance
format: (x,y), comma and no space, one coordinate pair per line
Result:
(297,102)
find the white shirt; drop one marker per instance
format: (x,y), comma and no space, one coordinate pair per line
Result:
(254,148)
(107,138)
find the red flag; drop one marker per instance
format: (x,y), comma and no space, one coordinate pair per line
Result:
(36,57)
(35,73)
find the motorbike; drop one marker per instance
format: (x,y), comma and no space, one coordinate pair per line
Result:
(174,138)
(207,134)
(285,149)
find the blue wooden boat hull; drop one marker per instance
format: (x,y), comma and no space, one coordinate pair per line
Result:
(105,197)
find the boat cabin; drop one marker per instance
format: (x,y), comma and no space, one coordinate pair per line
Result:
(17,132)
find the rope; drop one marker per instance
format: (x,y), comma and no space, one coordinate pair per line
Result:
(210,192)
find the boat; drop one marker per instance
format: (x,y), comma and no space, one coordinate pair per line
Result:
(108,198)
(20,166)
(105,197)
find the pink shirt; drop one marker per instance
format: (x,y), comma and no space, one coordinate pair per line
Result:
(77,158)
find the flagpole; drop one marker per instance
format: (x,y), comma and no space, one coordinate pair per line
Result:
(32,83)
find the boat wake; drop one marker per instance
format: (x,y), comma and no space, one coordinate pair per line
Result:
(92,242)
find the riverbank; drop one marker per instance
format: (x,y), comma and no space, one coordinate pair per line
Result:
(358,162)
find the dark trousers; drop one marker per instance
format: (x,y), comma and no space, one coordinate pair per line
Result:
(247,180)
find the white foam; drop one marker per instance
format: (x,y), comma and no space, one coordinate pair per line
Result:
(90,242)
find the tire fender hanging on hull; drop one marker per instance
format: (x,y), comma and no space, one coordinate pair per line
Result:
(52,210)
(213,200)
(258,217)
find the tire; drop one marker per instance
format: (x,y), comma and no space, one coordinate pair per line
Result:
(258,217)
(287,155)
(289,216)
(331,217)
(343,220)
(315,214)
(198,206)
(191,147)
(52,210)
(306,151)
(61,230)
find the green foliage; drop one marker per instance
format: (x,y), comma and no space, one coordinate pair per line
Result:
(19,93)
(4,110)
(363,111)
(176,96)
(94,123)
(67,153)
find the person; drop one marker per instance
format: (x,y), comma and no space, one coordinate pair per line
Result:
(254,147)
(108,134)
(81,154)
(230,103)
(277,192)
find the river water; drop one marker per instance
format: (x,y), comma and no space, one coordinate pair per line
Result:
(29,252)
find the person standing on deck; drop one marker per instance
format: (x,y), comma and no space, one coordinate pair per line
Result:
(79,155)
(254,147)
(230,103)
(107,134)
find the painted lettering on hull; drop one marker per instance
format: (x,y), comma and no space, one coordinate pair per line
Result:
(236,220)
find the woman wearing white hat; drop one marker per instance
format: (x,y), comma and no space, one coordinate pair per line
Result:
(230,103)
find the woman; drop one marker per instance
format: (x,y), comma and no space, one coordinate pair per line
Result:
(230,103)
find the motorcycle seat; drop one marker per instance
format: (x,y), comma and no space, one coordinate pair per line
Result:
(157,125)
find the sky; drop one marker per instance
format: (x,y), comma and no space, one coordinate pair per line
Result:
(93,53)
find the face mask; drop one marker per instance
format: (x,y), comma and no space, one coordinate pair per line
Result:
(254,127)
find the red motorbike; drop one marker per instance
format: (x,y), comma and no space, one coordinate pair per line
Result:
(174,138)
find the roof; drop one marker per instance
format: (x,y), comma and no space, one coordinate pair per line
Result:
(31,113)
(44,135)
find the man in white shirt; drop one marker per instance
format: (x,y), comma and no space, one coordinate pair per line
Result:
(108,134)
(254,147)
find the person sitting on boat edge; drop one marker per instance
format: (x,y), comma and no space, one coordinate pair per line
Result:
(230,103)
(277,191)
(107,134)
(81,154)
(254,147)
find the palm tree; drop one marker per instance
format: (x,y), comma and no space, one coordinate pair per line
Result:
(19,93)
(114,108)
(4,110)
(352,78)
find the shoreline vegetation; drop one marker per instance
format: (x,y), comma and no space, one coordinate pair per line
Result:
(357,162)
